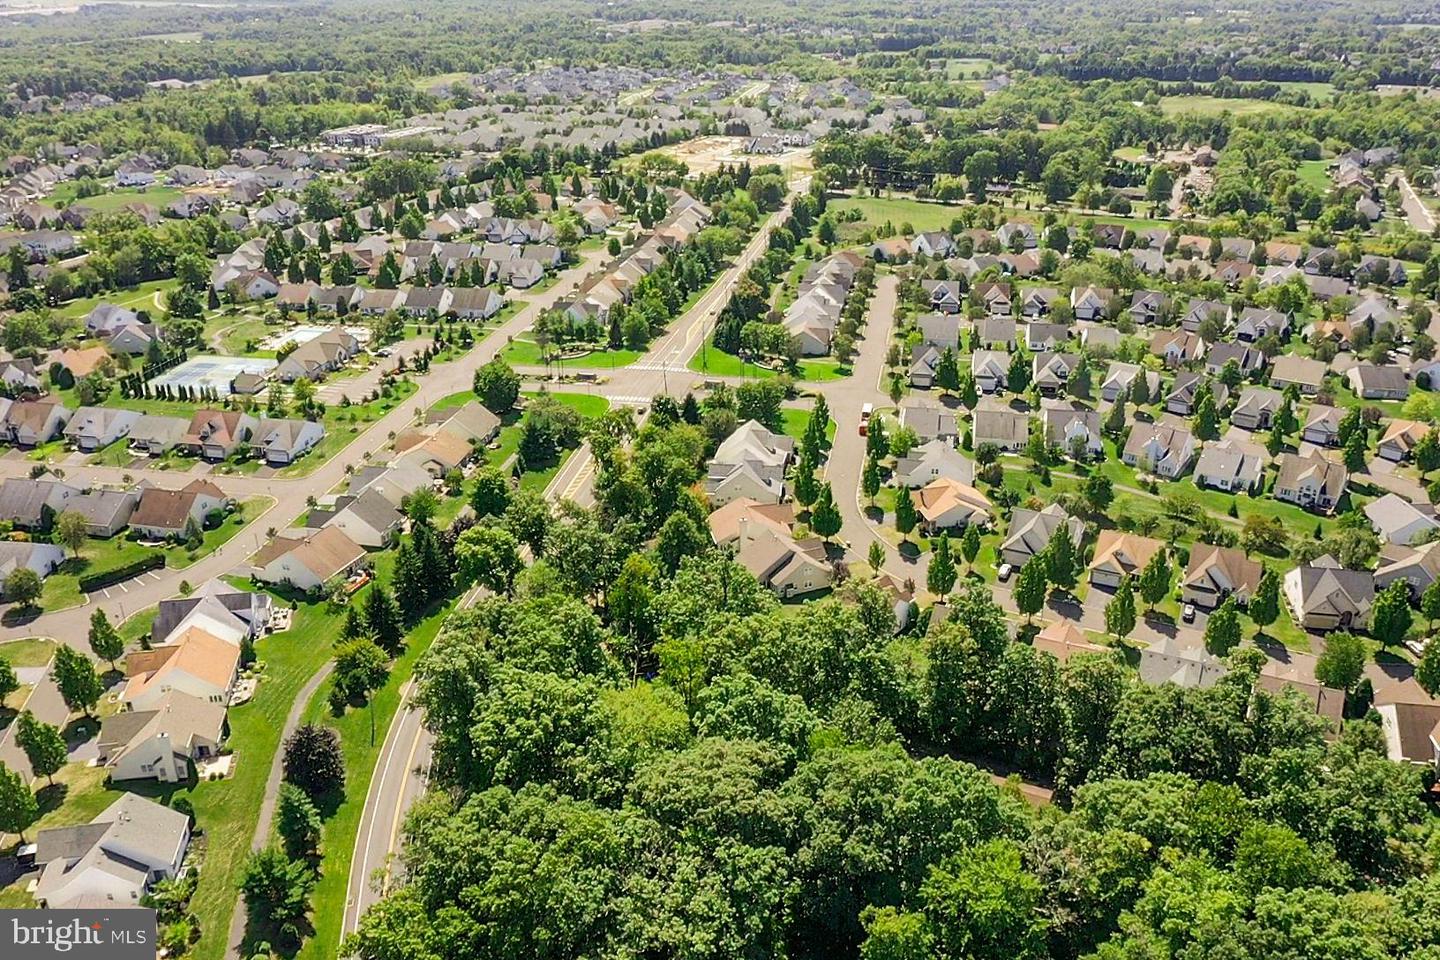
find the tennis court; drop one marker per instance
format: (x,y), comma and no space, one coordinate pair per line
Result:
(214,372)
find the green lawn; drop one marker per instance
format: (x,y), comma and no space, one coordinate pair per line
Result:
(1207,106)
(338,838)
(1314,173)
(920,215)
(27,653)
(157,196)
(526,353)
(796,421)
(141,297)
(968,68)
(721,364)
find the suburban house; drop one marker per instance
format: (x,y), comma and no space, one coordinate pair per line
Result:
(999,424)
(1215,573)
(192,661)
(1257,322)
(1032,530)
(1120,379)
(279,442)
(1051,371)
(92,428)
(1071,427)
(1232,466)
(1306,374)
(1045,336)
(1198,311)
(1171,660)
(153,435)
(1119,554)
(248,611)
(1397,520)
(939,331)
(217,434)
(309,561)
(750,463)
(788,567)
(1185,392)
(1090,303)
(1378,383)
(1398,441)
(29,423)
(1246,359)
(1410,723)
(1161,449)
(166,514)
(929,422)
(932,461)
(161,742)
(1417,566)
(113,860)
(370,518)
(43,558)
(30,503)
(995,333)
(743,517)
(945,504)
(1148,306)
(991,369)
(1323,595)
(924,361)
(1313,483)
(316,357)
(1322,426)
(1256,408)
(1177,347)
(1063,640)
(106,512)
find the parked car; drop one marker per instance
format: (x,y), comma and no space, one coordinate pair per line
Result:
(1005,571)
(1187,613)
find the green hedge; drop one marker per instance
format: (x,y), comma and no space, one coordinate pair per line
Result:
(97,581)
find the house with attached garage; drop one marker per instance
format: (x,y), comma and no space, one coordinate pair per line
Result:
(161,743)
(307,560)
(1071,427)
(1198,311)
(1322,426)
(20,377)
(1036,302)
(1031,531)
(1118,555)
(945,504)
(1185,392)
(930,422)
(934,243)
(1160,449)
(945,296)
(939,331)
(1313,483)
(41,558)
(991,369)
(1323,595)
(784,565)
(746,517)
(1090,303)
(152,435)
(1257,322)
(933,460)
(1045,336)
(994,333)
(1399,521)
(1050,372)
(92,428)
(999,424)
(1306,374)
(1148,306)
(475,303)
(1247,359)
(1398,442)
(193,661)
(995,298)
(29,423)
(30,503)
(279,442)
(106,512)
(217,434)
(750,463)
(1177,347)
(1120,379)
(924,361)
(1231,466)
(1215,573)
(113,860)
(316,357)
(1256,408)
(166,514)
(371,519)
(1372,382)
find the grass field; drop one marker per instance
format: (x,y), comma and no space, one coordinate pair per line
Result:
(141,297)
(1207,106)
(1313,172)
(918,214)
(968,68)
(721,364)
(157,196)
(526,353)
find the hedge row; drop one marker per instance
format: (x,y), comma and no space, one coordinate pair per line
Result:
(98,581)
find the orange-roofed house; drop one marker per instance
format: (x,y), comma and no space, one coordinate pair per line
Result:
(946,504)
(194,662)
(1118,554)
(1062,639)
(309,562)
